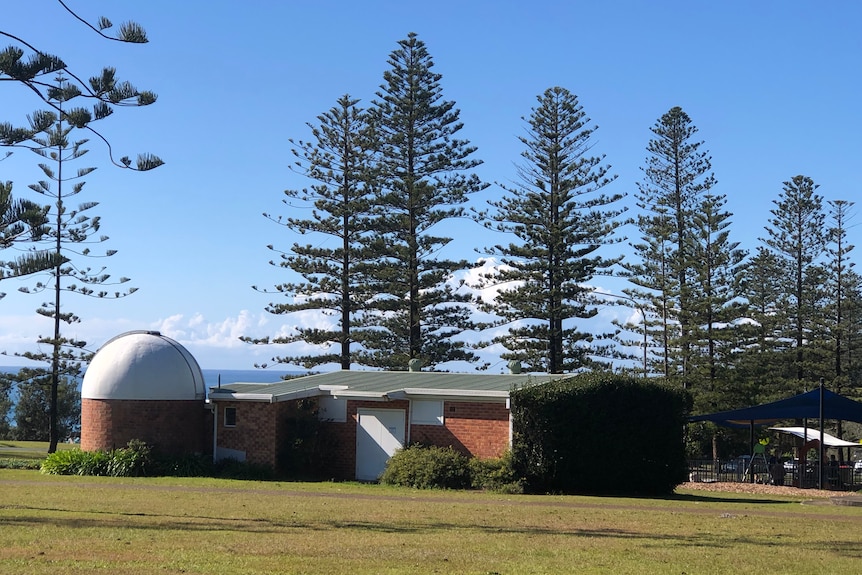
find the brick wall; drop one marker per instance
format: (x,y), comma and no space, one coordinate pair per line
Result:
(171,427)
(256,431)
(474,429)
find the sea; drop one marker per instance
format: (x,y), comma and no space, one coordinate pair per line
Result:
(212,377)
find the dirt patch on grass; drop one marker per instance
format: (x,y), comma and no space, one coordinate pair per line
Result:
(760,489)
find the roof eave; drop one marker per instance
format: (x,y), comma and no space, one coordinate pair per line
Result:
(259,397)
(454,394)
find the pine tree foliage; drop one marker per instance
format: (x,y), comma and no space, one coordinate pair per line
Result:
(70,234)
(656,289)
(838,266)
(851,317)
(72,103)
(764,345)
(6,386)
(560,220)
(796,237)
(423,179)
(715,300)
(26,64)
(677,175)
(21,222)
(334,270)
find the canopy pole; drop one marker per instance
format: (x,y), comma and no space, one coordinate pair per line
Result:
(820,453)
(751,451)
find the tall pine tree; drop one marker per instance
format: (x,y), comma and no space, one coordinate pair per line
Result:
(764,345)
(655,288)
(560,220)
(796,237)
(26,64)
(838,266)
(677,175)
(69,234)
(715,303)
(424,179)
(333,269)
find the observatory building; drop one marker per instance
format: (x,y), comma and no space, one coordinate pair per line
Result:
(143,385)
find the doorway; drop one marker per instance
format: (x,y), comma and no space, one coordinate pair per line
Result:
(379,434)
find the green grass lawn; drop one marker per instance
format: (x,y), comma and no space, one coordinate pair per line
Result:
(51,524)
(28,449)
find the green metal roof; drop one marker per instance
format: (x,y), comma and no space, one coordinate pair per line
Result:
(383,385)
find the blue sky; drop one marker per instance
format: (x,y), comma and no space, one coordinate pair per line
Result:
(774,88)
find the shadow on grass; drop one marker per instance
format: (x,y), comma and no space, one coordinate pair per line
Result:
(33,517)
(706,497)
(718,498)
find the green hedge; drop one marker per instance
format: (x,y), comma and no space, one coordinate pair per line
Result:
(600,433)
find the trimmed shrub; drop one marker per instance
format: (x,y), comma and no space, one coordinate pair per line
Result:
(428,468)
(136,460)
(600,433)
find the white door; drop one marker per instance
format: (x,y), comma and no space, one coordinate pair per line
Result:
(379,433)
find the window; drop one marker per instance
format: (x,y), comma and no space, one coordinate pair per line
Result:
(332,409)
(424,412)
(230,417)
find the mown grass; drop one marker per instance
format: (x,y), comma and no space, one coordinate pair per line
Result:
(51,524)
(26,454)
(28,449)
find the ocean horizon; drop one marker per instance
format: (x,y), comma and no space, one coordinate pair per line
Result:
(212,377)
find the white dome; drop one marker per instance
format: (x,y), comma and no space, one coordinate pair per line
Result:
(143,365)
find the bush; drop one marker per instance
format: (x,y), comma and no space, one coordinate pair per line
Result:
(76,462)
(495,474)
(428,468)
(137,460)
(131,461)
(134,460)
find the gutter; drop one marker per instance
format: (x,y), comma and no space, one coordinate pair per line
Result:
(260,397)
(454,394)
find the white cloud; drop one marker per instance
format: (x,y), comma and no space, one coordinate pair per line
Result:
(215,341)
(479,276)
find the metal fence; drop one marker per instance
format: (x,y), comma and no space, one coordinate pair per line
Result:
(844,477)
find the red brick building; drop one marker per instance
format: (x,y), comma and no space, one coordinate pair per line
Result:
(366,415)
(143,385)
